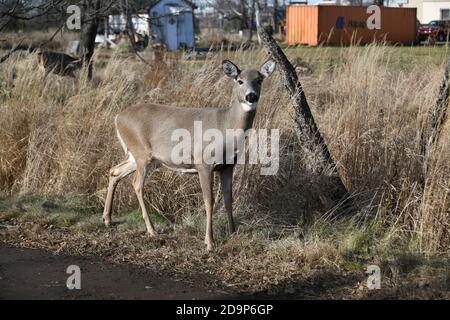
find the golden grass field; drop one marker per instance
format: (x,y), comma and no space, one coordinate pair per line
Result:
(57,143)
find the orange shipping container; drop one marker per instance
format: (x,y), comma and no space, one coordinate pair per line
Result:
(343,25)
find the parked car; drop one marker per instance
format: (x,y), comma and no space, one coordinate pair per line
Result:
(436,30)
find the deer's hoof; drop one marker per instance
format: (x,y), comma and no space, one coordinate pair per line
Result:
(152,234)
(107,222)
(209,246)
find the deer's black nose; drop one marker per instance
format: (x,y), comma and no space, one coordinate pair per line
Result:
(252,97)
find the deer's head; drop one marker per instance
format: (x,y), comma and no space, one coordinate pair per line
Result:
(248,82)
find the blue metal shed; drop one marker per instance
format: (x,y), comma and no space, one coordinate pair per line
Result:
(173,23)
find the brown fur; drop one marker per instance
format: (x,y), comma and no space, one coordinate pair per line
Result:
(58,63)
(145,131)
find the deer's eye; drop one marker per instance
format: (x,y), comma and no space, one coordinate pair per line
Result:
(240,82)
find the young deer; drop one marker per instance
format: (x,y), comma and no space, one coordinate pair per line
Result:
(58,63)
(145,131)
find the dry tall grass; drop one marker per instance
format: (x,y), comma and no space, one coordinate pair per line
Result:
(57,138)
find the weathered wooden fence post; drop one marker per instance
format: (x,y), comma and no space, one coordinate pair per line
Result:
(437,119)
(308,133)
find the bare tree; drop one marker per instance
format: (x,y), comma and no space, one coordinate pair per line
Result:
(92,11)
(12,11)
(241,11)
(89,26)
(252,13)
(436,120)
(275,16)
(311,140)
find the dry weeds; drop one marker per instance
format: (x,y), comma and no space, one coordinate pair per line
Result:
(57,140)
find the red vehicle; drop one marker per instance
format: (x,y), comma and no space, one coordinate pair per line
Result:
(437,30)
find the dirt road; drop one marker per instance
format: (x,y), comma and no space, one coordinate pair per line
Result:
(37,274)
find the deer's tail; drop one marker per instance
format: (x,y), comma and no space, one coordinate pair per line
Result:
(122,143)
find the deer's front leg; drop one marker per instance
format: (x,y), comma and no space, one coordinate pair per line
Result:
(206,182)
(226,181)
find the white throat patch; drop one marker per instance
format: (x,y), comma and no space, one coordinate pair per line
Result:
(247,107)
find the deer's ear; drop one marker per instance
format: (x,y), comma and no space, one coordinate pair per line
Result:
(230,69)
(267,68)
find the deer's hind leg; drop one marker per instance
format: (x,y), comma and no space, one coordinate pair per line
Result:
(116,174)
(206,182)
(138,184)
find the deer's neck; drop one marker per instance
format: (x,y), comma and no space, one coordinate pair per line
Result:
(240,115)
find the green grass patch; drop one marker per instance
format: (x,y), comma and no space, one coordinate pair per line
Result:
(70,212)
(59,211)
(133,219)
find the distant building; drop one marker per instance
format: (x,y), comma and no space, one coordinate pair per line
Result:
(172,23)
(345,2)
(169,22)
(118,23)
(427,10)
(435,10)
